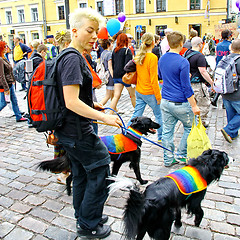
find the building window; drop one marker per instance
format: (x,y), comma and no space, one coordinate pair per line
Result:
(100,7)
(119,6)
(161,5)
(160,30)
(35,36)
(139,6)
(34,14)
(61,14)
(9,17)
(82,5)
(21,18)
(194,4)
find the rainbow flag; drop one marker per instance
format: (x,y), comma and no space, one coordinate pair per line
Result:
(118,144)
(188,180)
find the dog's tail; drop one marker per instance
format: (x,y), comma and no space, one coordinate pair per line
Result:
(56,165)
(134,209)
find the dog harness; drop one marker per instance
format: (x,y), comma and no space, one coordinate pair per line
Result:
(188,180)
(119,143)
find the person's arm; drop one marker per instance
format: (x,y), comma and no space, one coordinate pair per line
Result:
(2,78)
(194,106)
(205,75)
(73,103)
(110,68)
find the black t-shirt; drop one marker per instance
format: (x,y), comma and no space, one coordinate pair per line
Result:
(73,70)
(119,60)
(197,60)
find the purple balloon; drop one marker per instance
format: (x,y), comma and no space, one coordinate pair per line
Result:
(121,17)
(238,4)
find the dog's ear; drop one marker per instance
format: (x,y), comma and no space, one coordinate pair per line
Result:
(134,120)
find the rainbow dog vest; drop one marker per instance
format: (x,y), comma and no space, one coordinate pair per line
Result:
(118,144)
(188,180)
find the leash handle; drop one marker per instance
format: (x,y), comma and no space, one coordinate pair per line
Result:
(123,127)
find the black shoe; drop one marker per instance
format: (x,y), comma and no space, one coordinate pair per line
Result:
(101,231)
(103,220)
(23,89)
(214,103)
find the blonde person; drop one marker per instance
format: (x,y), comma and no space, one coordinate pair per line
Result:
(106,58)
(63,39)
(120,57)
(147,88)
(88,155)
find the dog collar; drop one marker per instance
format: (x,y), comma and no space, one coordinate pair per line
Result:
(134,132)
(188,180)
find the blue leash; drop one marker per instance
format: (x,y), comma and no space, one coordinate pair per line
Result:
(125,130)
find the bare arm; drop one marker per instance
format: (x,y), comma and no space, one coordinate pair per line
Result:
(194,106)
(205,75)
(73,103)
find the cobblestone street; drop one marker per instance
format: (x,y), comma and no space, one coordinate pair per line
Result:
(34,206)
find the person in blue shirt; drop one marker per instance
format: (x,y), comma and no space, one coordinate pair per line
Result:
(222,49)
(178,103)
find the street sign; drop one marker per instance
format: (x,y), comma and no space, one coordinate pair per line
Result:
(139,28)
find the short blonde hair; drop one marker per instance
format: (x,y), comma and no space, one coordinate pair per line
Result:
(76,18)
(35,44)
(174,39)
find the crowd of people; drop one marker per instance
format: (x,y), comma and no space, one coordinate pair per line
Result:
(186,90)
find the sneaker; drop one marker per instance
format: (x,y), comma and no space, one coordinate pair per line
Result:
(103,220)
(226,136)
(22,119)
(159,141)
(174,162)
(182,160)
(101,231)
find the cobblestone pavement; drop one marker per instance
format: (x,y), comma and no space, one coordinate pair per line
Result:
(34,206)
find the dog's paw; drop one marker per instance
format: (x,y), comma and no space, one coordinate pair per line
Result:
(143,182)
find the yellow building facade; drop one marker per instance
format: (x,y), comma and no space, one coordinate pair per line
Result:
(34,19)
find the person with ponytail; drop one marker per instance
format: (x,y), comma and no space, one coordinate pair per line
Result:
(147,88)
(7,82)
(120,57)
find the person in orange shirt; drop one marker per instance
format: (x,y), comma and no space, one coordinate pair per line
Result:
(147,87)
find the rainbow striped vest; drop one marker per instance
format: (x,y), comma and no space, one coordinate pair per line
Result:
(188,180)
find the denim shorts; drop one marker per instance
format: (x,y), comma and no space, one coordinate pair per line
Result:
(119,80)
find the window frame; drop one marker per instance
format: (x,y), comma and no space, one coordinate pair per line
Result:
(135,6)
(102,10)
(58,13)
(7,16)
(120,6)
(195,2)
(21,16)
(157,1)
(34,14)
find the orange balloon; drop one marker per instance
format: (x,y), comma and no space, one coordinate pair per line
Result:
(103,33)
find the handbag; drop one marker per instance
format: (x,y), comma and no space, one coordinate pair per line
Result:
(130,77)
(198,140)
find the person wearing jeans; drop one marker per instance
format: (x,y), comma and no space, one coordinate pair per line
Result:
(178,103)
(7,84)
(231,101)
(147,88)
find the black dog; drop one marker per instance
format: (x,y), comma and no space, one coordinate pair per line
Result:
(154,210)
(141,125)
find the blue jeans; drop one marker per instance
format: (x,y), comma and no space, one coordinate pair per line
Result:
(13,100)
(233,117)
(150,100)
(171,114)
(90,168)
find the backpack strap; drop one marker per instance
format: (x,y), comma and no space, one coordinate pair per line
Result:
(187,56)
